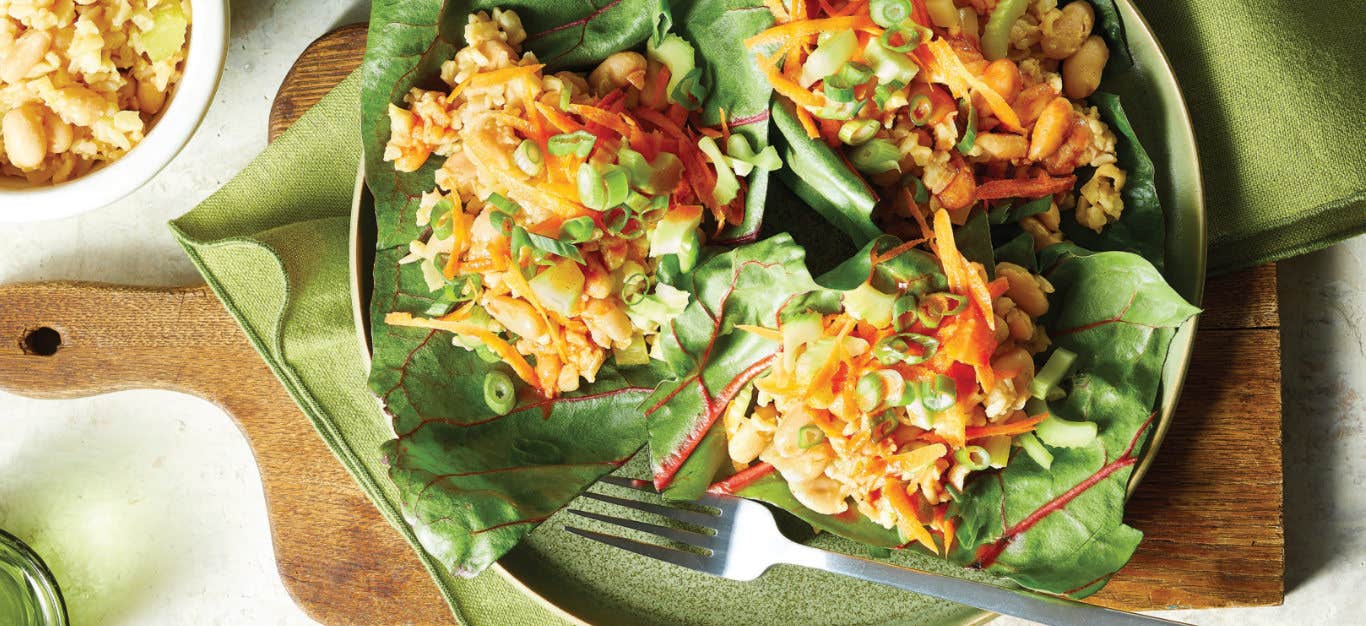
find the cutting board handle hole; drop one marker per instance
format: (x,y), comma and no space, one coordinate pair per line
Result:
(42,341)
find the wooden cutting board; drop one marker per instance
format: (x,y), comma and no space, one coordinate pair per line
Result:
(1210,507)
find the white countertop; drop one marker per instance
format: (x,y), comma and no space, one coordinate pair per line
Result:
(150,506)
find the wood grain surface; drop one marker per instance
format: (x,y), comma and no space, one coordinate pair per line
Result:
(1211,506)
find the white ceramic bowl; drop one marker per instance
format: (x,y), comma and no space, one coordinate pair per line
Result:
(185,109)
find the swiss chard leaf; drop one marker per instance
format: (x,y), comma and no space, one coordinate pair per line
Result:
(711,360)
(822,179)
(1061,529)
(474,482)
(718,29)
(1140,228)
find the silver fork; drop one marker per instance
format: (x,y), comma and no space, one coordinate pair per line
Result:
(741,541)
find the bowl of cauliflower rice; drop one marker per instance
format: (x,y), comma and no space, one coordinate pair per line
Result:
(97,96)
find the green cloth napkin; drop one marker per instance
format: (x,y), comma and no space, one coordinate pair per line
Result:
(1272,87)
(272,244)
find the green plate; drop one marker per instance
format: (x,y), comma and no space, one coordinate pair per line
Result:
(588,582)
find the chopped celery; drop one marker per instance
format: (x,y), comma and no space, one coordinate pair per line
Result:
(559,287)
(674,228)
(738,149)
(998,448)
(1061,433)
(866,303)
(662,176)
(167,34)
(727,185)
(1058,365)
(889,66)
(676,54)
(1035,450)
(828,57)
(815,356)
(656,309)
(635,354)
(798,331)
(996,37)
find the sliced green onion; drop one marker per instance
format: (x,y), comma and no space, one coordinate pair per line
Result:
(637,353)
(1061,433)
(936,306)
(602,189)
(970,132)
(545,244)
(487,354)
(566,92)
(910,394)
(828,57)
(1035,450)
(838,94)
(443,219)
(939,394)
(503,204)
(907,303)
(883,425)
(887,13)
(615,219)
(875,157)
(578,143)
(911,37)
(675,53)
(920,108)
(528,157)
(897,349)
(501,222)
(884,91)
(577,230)
(1058,365)
(858,132)
(633,288)
(654,210)
(809,436)
(851,74)
(871,391)
(974,458)
(841,110)
(921,193)
(499,394)
(996,36)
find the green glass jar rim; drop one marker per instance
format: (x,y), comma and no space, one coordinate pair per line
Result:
(52,606)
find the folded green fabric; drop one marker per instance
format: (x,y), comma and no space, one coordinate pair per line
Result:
(272,244)
(1274,91)
(1271,88)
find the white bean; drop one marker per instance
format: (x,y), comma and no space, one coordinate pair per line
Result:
(25,139)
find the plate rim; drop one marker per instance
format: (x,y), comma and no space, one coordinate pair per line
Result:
(1169,396)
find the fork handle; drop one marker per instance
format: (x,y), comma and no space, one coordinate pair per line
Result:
(1015,602)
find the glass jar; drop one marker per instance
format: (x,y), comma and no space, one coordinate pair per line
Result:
(28,592)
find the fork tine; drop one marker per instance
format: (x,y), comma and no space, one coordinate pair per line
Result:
(677,534)
(669,555)
(691,517)
(629,483)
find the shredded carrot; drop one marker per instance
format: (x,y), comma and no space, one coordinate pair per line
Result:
(601,117)
(786,86)
(1038,187)
(808,122)
(460,313)
(851,8)
(558,119)
(951,71)
(460,229)
(506,74)
(807,28)
(964,277)
(920,13)
(500,347)
(798,10)
(945,524)
(725,128)
(1011,428)
(896,494)
(662,122)
(760,331)
(515,122)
